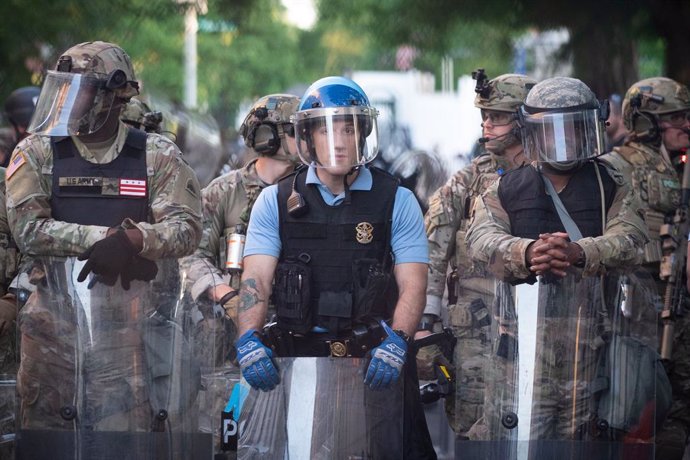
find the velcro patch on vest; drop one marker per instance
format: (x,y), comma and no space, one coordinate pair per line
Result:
(80,181)
(132,187)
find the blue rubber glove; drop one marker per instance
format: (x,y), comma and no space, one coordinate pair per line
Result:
(256,363)
(387,361)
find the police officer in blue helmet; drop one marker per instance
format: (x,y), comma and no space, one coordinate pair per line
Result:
(340,248)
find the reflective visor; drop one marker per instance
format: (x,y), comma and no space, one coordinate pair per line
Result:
(71,104)
(556,137)
(337,137)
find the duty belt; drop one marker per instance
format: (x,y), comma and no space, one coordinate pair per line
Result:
(353,344)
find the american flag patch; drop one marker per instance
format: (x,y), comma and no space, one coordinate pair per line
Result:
(132,187)
(15,163)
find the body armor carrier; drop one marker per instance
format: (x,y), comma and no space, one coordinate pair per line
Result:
(100,194)
(335,267)
(531,211)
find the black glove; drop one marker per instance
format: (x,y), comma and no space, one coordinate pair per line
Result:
(108,257)
(139,269)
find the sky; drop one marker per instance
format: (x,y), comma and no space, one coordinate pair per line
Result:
(301,13)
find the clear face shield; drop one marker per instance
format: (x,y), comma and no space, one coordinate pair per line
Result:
(71,104)
(340,137)
(562,139)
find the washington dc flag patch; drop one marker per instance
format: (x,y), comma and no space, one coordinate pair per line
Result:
(132,187)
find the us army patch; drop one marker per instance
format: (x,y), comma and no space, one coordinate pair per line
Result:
(80,181)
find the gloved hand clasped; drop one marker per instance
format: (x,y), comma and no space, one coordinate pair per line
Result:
(387,361)
(141,269)
(255,361)
(108,257)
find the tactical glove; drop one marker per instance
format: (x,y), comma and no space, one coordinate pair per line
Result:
(108,257)
(387,361)
(139,269)
(255,362)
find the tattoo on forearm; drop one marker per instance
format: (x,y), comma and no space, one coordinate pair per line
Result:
(249,295)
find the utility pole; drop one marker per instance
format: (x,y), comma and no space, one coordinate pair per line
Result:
(191,26)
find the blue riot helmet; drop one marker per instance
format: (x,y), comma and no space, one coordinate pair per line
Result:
(335,126)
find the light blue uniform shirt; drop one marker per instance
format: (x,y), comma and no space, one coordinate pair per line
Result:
(408,242)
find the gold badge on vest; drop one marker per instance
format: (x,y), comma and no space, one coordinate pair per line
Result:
(365,233)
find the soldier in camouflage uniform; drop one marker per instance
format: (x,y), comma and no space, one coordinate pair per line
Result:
(227,203)
(139,115)
(516,230)
(656,112)
(446,226)
(134,204)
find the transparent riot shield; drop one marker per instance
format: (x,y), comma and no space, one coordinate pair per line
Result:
(214,333)
(107,372)
(321,410)
(574,371)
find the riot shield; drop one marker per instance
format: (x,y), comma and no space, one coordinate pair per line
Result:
(107,372)
(214,332)
(321,410)
(574,371)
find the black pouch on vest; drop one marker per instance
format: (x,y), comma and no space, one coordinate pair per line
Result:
(292,296)
(370,285)
(507,347)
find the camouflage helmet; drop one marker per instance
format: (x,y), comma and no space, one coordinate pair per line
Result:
(267,122)
(505,93)
(562,124)
(102,60)
(560,93)
(653,96)
(138,114)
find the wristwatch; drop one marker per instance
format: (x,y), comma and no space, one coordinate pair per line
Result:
(427,322)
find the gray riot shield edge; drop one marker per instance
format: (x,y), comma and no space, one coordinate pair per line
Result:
(322,410)
(107,372)
(574,371)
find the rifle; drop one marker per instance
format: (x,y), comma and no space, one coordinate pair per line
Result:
(674,244)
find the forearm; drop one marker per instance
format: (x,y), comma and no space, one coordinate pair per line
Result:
(174,237)
(37,234)
(490,242)
(411,279)
(255,290)
(202,270)
(623,241)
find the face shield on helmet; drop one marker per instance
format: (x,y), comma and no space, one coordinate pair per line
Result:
(562,124)
(71,104)
(89,83)
(337,137)
(335,126)
(562,139)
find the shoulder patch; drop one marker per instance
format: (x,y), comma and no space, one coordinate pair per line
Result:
(16,162)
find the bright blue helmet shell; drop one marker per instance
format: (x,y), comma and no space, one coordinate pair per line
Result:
(333,92)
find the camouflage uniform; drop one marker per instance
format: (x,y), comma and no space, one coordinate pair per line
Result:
(647,166)
(173,197)
(227,203)
(446,227)
(490,241)
(172,229)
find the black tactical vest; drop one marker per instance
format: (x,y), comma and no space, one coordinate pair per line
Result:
(100,194)
(531,210)
(346,249)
